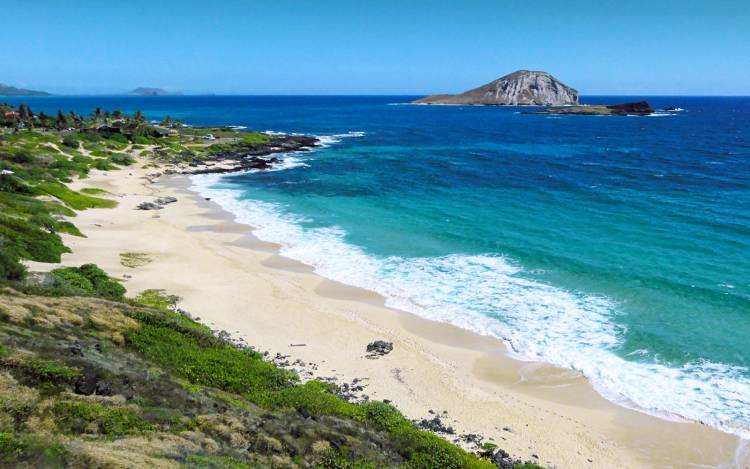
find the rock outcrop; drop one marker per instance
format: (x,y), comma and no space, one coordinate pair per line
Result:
(521,88)
(639,108)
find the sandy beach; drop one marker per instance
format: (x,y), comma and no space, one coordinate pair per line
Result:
(235,282)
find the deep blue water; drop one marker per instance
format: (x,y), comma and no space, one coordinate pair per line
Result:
(618,246)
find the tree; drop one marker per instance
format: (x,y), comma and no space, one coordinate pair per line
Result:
(138,116)
(117,114)
(97,113)
(61,122)
(167,121)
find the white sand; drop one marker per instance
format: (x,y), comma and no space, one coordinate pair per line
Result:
(234,282)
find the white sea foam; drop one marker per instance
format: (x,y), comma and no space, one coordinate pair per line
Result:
(328,140)
(489,295)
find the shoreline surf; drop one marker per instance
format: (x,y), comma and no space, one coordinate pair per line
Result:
(236,282)
(579,320)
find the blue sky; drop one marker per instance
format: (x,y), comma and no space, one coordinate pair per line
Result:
(375,47)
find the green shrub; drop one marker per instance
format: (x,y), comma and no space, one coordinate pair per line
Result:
(104,165)
(70,141)
(79,416)
(201,359)
(119,138)
(89,280)
(10,447)
(37,371)
(14,184)
(110,289)
(121,159)
(157,299)
(10,266)
(30,241)
(28,451)
(72,279)
(142,140)
(90,137)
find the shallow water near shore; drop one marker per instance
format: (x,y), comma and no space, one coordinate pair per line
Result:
(616,246)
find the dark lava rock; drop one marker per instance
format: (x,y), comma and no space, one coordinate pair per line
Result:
(434,425)
(639,108)
(379,348)
(303,412)
(503,460)
(254,156)
(149,206)
(103,389)
(86,384)
(75,350)
(166,200)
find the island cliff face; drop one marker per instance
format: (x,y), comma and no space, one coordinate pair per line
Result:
(520,88)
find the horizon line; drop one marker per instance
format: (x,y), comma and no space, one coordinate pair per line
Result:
(182,95)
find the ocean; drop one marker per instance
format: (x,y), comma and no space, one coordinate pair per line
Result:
(616,246)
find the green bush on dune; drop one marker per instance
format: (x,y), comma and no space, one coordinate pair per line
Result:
(10,265)
(88,279)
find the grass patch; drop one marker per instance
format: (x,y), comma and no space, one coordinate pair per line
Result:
(255,138)
(94,191)
(133,260)
(215,462)
(72,198)
(201,359)
(29,451)
(38,371)
(159,299)
(82,417)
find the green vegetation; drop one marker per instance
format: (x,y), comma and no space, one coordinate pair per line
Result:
(72,198)
(105,383)
(93,191)
(77,417)
(91,379)
(134,259)
(88,280)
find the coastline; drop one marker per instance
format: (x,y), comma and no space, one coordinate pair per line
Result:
(237,283)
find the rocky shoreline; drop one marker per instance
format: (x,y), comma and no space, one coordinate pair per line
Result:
(353,391)
(242,156)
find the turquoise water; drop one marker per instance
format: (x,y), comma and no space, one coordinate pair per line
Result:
(617,246)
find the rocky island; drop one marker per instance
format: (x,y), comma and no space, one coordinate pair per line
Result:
(141,91)
(520,88)
(639,108)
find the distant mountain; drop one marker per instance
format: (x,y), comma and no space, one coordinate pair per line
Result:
(140,91)
(520,88)
(7,90)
